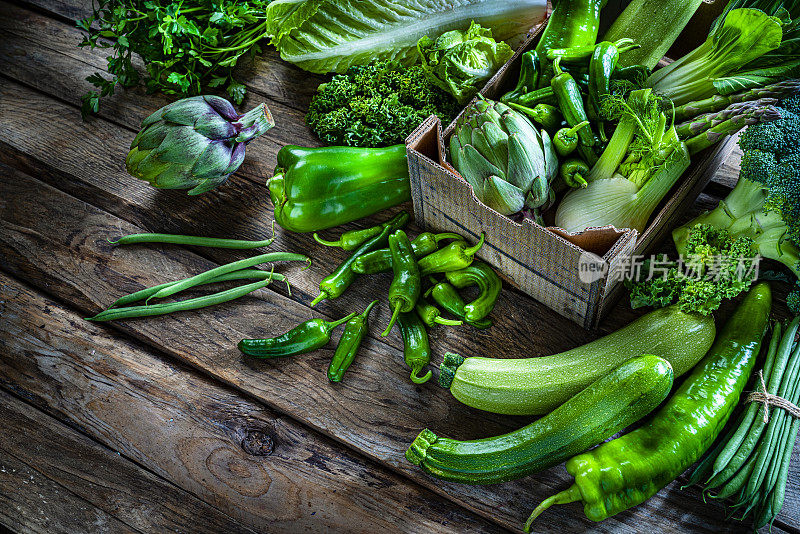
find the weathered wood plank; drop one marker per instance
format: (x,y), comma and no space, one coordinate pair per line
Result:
(377,412)
(247,461)
(53,459)
(31,503)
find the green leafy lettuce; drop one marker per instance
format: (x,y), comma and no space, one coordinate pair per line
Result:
(461,62)
(332,35)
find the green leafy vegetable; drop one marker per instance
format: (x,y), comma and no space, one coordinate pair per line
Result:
(461,62)
(376,105)
(186,45)
(333,35)
(748,47)
(715,267)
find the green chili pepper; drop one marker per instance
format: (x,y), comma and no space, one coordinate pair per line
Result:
(350,240)
(333,285)
(627,471)
(570,101)
(416,346)
(601,67)
(318,188)
(635,74)
(528,76)
(430,314)
(545,114)
(572,23)
(407,282)
(379,261)
(481,275)
(446,296)
(354,332)
(545,95)
(453,257)
(305,337)
(580,54)
(566,139)
(573,171)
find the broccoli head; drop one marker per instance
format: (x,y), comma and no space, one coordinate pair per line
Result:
(376,105)
(715,267)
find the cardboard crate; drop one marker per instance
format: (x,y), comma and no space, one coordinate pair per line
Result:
(576,275)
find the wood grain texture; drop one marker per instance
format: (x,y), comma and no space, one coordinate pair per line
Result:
(376,412)
(56,464)
(254,465)
(380,431)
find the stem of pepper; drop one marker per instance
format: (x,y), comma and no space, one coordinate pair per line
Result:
(571,494)
(334,324)
(472,250)
(447,322)
(395,313)
(321,241)
(446,235)
(419,379)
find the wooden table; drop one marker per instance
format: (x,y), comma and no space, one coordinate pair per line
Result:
(159,425)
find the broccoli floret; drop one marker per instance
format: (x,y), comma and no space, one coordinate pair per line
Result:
(376,105)
(715,267)
(793,300)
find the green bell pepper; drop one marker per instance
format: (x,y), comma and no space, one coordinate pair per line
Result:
(318,188)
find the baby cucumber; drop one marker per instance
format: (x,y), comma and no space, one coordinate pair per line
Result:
(533,386)
(598,412)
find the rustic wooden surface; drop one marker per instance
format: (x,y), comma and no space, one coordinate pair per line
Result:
(160,424)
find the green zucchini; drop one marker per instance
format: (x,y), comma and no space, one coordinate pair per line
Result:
(533,386)
(608,405)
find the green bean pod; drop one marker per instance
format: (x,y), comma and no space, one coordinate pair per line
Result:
(629,470)
(354,332)
(305,337)
(481,275)
(416,346)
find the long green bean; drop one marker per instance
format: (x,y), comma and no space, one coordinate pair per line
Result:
(243,274)
(197,241)
(183,305)
(203,278)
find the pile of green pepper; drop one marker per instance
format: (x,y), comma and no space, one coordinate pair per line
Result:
(563,89)
(415,308)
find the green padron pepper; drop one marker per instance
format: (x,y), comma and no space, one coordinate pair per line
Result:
(349,343)
(318,188)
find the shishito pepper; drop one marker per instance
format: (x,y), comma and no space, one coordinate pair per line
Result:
(601,67)
(446,296)
(629,470)
(528,76)
(333,285)
(431,315)
(407,282)
(570,101)
(573,172)
(566,139)
(317,188)
(545,114)
(416,345)
(349,343)
(350,240)
(305,337)
(581,54)
(481,275)
(453,257)
(379,261)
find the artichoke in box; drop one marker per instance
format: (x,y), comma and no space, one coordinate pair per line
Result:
(509,163)
(194,143)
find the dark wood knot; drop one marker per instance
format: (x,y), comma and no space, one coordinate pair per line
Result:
(257,443)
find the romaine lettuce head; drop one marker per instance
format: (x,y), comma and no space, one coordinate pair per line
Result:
(332,35)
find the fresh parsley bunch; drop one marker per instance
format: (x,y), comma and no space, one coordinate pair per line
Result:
(186,45)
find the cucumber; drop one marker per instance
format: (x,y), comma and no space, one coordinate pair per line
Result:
(608,405)
(534,386)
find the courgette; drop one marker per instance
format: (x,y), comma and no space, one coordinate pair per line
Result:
(598,412)
(533,386)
